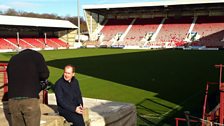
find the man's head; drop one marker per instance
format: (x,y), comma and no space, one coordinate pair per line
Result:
(69,72)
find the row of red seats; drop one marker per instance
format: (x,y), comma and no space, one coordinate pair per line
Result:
(174,30)
(139,30)
(6,45)
(210,30)
(113,27)
(12,43)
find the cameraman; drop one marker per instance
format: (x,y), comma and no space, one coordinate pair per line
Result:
(25,71)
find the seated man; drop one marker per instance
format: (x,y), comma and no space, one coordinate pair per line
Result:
(69,98)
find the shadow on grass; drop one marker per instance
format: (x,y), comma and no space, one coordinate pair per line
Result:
(176,76)
(155,113)
(3,61)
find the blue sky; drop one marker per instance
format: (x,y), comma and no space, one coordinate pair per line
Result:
(59,7)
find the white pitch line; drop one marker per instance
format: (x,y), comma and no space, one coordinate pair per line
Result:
(166,113)
(85,78)
(151,117)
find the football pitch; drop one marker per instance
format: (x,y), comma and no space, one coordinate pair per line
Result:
(161,83)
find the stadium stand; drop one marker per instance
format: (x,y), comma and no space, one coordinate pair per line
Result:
(168,24)
(34,42)
(6,45)
(210,31)
(149,25)
(59,42)
(36,33)
(140,29)
(112,28)
(48,42)
(21,43)
(174,30)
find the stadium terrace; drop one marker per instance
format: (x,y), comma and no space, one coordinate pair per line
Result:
(176,24)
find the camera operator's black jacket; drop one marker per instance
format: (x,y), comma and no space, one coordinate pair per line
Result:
(25,71)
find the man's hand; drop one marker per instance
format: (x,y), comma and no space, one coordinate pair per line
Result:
(79,109)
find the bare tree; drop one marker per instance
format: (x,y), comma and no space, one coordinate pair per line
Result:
(11,12)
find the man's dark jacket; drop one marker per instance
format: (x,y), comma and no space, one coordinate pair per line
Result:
(68,97)
(25,71)
(68,94)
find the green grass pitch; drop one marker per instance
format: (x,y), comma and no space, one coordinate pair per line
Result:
(161,83)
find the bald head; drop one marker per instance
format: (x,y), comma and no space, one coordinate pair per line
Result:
(69,72)
(70,67)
